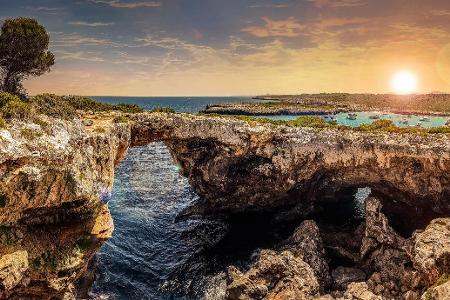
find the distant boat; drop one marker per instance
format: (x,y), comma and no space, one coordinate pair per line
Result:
(404,121)
(448,123)
(352,116)
(425,119)
(419,124)
(374,117)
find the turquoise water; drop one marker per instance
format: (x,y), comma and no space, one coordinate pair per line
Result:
(364,118)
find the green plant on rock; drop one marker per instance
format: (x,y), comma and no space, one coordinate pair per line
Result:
(120,119)
(3,124)
(28,133)
(100,129)
(85,243)
(43,124)
(16,109)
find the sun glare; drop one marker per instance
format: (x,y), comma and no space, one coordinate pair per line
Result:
(404,82)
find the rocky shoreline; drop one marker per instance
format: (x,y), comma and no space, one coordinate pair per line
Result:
(56,185)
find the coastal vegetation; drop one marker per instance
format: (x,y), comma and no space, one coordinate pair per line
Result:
(64,107)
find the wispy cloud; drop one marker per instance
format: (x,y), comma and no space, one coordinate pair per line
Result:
(440,13)
(91,24)
(289,27)
(79,55)
(337,3)
(120,4)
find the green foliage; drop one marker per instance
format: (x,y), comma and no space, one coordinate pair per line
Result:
(99,130)
(53,106)
(309,121)
(16,109)
(120,119)
(28,133)
(88,104)
(36,263)
(23,53)
(3,124)
(163,110)
(7,97)
(44,125)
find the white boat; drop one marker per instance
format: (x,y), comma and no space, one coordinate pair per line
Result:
(352,116)
(425,119)
(404,121)
(448,123)
(374,117)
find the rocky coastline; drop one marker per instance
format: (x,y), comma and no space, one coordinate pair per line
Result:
(55,188)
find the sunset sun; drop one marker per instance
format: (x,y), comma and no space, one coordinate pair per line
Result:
(404,82)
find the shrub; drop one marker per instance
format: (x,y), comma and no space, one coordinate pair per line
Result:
(3,124)
(88,104)
(99,130)
(163,110)
(120,119)
(44,125)
(53,106)
(16,109)
(27,133)
(310,121)
(7,97)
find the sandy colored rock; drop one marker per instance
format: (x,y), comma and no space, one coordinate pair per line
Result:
(273,276)
(431,250)
(12,269)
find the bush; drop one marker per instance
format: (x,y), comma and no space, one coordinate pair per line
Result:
(88,104)
(27,133)
(163,110)
(3,124)
(310,121)
(99,130)
(7,97)
(53,106)
(16,109)
(120,119)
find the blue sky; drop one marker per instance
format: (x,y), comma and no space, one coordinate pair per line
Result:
(200,47)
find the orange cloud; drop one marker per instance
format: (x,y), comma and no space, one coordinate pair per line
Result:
(276,28)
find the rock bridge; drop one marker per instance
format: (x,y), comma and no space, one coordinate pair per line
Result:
(54,186)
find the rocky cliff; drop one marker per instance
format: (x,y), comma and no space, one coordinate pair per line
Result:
(56,181)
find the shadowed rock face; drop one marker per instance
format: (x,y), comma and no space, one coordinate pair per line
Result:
(237,166)
(54,188)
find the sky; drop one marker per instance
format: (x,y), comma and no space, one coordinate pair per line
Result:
(239,47)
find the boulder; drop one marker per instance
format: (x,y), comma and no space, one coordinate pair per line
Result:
(12,269)
(275,275)
(306,242)
(430,252)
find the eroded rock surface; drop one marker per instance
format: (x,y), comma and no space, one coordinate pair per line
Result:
(55,185)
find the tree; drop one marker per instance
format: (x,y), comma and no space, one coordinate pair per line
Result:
(23,53)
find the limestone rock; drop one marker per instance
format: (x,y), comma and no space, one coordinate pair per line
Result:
(12,269)
(431,250)
(274,276)
(441,292)
(306,242)
(360,291)
(342,276)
